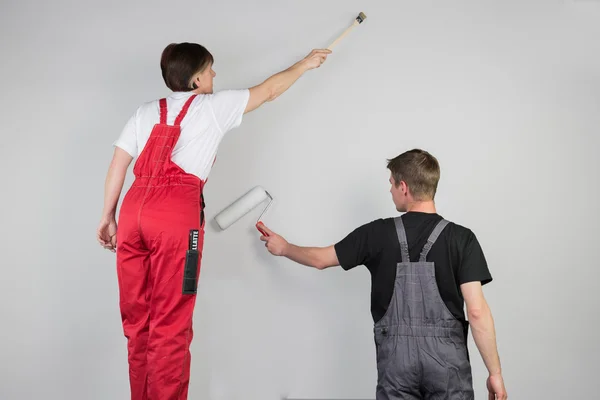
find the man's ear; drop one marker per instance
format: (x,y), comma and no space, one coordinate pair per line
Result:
(404,187)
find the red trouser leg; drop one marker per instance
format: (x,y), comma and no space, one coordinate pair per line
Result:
(133,271)
(168,221)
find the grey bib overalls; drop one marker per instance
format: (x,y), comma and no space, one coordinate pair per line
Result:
(421,347)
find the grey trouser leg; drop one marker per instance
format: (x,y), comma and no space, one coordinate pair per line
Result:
(398,368)
(446,369)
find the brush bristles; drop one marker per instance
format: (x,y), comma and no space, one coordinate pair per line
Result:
(361,17)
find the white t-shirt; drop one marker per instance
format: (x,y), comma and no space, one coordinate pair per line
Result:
(208,119)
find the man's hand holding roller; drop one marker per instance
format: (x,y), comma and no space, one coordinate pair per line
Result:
(316,257)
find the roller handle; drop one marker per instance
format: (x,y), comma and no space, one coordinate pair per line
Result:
(259,226)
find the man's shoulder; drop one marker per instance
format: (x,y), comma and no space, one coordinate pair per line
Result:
(459,229)
(378,222)
(385,224)
(376,228)
(460,235)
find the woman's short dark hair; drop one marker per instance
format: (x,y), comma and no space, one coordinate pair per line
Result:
(180,61)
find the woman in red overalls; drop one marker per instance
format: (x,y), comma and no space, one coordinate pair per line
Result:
(160,237)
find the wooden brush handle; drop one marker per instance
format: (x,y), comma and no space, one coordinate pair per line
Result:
(335,42)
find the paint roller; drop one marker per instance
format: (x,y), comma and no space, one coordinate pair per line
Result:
(357,21)
(243,206)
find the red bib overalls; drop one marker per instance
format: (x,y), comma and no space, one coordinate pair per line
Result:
(163,204)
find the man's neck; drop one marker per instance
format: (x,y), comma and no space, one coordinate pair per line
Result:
(422,206)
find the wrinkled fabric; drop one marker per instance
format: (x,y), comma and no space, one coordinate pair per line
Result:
(421,347)
(157,214)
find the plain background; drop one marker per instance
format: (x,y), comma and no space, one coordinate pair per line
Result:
(505,93)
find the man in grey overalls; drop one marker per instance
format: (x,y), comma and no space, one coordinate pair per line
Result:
(424,269)
(421,347)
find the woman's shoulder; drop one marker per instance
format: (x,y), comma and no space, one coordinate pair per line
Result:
(228,94)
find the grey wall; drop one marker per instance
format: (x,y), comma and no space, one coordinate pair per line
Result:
(505,94)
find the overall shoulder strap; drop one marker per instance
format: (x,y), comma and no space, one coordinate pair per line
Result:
(402,239)
(432,239)
(184,110)
(163,111)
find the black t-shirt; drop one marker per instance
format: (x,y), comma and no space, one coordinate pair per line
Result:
(457,255)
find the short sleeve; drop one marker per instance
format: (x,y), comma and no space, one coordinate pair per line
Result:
(128,138)
(228,107)
(473,265)
(361,246)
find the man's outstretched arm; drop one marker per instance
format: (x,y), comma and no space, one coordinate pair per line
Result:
(316,257)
